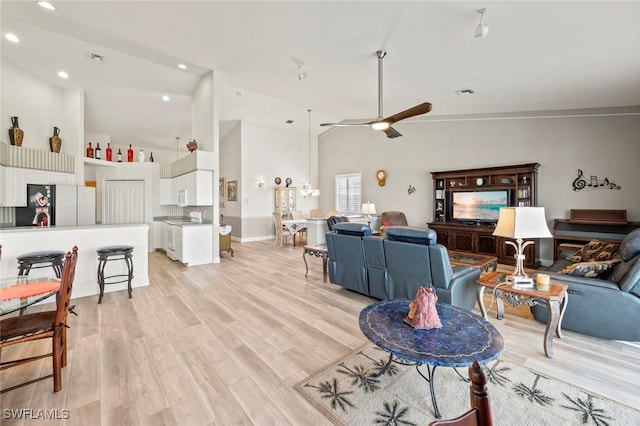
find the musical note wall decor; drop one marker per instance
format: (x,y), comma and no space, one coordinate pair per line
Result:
(580,183)
(411,189)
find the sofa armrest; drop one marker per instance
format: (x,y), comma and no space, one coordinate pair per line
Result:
(573,281)
(461,290)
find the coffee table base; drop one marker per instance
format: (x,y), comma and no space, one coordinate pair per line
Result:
(429,378)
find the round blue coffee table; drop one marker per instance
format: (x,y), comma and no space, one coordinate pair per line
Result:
(463,338)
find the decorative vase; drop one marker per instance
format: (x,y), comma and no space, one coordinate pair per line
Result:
(55,141)
(192,146)
(16,134)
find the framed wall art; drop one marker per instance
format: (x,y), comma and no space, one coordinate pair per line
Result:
(222,191)
(232,190)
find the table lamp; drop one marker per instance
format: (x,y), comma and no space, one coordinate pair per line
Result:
(368,209)
(520,223)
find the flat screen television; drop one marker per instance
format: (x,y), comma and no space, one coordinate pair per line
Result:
(479,205)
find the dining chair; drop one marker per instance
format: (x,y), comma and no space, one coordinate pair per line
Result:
(43,325)
(480,413)
(281,231)
(315,213)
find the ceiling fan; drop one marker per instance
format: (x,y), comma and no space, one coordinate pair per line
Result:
(381,123)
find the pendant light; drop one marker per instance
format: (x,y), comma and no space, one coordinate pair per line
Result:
(307,190)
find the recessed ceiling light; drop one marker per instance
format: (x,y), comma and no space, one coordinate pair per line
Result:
(166,98)
(47,5)
(182,66)
(63,74)
(12,38)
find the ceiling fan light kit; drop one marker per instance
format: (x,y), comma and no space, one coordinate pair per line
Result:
(380,125)
(380,122)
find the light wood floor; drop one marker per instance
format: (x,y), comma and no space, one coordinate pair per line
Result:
(224,344)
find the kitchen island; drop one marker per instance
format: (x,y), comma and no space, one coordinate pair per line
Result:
(21,240)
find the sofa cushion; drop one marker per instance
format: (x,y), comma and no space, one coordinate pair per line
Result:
(630,245)
(411,235)
(591,269)
(595,250)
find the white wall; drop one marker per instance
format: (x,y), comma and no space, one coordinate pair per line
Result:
(254,152)
(602,145)
(38,106)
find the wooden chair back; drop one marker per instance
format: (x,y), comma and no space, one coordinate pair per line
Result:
(43,325)
(480,413)
(64,294)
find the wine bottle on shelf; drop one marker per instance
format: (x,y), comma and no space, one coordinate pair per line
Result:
(98,151)
(90,151)
(151,157)
(109,152)
(119,156)
(130,154)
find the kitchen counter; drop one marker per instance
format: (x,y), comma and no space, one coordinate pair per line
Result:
(181,220)
(20,240)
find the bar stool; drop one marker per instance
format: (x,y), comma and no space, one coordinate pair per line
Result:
(111,253)
(41,259)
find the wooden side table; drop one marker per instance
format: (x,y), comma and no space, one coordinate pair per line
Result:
(316,251)
(555,299)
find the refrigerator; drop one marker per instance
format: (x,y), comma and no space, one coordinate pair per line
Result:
(57,205)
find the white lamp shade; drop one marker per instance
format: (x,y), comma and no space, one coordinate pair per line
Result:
(522,222)
(368,208)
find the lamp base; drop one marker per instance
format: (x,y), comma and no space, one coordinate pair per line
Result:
(522,282)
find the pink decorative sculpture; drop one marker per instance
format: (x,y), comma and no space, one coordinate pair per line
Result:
(422,311)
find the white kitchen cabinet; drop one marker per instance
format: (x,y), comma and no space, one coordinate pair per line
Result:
(155,236)
(166,196)
(45,177)
(198,186)
(194,245)
(13,189)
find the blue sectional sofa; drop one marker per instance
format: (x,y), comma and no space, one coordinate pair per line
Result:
(395,266)
(607,307)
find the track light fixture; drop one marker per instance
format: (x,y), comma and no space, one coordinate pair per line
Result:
(482,30)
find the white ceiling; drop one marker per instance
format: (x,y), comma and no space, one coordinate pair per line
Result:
(538,55)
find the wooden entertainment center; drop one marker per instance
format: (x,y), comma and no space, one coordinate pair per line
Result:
(520,184)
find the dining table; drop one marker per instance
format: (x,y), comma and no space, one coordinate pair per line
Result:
(19,292)
(294,226)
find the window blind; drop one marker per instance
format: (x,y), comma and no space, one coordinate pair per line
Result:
(349,193)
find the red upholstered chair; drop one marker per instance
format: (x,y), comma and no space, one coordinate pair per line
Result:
(480,413)
(43,325)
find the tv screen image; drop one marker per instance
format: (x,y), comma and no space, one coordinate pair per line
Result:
(479,205)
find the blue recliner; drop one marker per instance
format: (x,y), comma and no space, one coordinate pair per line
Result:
(347,264)
(394,267)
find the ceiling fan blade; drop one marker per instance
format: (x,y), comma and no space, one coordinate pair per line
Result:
(411,112)
(392,133)
(351,122)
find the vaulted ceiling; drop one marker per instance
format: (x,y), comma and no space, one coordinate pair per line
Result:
(536,56)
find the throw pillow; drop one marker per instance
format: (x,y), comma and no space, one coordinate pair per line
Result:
(387,223)
(595,250)
(591,269)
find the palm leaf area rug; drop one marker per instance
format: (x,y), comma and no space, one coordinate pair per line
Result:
(350,392)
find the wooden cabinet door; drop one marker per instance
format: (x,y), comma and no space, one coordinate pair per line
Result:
(443,238)
(463,240)
(486,244)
